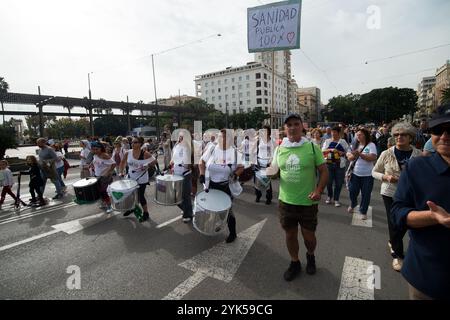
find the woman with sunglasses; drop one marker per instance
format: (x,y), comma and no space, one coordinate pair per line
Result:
(138,161)
(388,169)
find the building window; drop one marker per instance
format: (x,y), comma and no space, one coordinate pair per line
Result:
(212,83)
(206,84)
(240,86)
(218,90)
(213,99)
(265,76)
(258,101)
(258,75)
(233,96)
(226,89)
(219,82)
(248,102)
(206,91)
(232,87)
(234,111)
(248,85)
(266,101)
(227,104)
(240,78)
(226,81)
(240,94)
(258,84)
(265,92)
(220,97)
(212,91)
(248,93)
(234,103)
(265,84)
(258,92)
(247,77)
(226,97)
(267,110)
(232,79)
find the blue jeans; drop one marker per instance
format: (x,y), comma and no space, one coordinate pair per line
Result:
(60,174)
(56,182)
(363,184)
(186,205)
(336,175)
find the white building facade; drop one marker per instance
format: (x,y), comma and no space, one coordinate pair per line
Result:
(242,89)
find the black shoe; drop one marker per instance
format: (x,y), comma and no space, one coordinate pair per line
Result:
(311,264)
(146,216)
(268,201)
(257,199)
(294,269)
(126,214)
(231,238)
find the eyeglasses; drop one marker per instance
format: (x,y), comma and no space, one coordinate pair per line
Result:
(439,130)
(400,135)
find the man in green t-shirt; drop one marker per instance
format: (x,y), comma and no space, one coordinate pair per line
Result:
(297,161)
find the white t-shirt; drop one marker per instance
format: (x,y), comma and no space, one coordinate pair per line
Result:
(217,163)
(364,168)
(265,152)
(181,157)
(85,153)
(137,169)
(59,163)
(101,165)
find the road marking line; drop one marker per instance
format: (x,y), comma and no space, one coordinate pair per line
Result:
(354,280)
(35,214)
(357,221)
(168,222)
(189,284)
(73,226)
(220,262)
(15,244)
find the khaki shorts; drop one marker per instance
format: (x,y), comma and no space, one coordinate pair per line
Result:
(292,215)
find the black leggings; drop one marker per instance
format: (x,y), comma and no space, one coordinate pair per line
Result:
(141,194)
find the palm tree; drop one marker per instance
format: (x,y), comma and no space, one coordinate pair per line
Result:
(69,108)
(4,86)
(445,96)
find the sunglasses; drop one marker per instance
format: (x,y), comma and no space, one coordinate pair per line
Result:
(439,130)
(400,135)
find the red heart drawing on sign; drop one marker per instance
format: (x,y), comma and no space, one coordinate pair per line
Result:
(290,36)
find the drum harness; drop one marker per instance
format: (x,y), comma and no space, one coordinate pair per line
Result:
(211,159)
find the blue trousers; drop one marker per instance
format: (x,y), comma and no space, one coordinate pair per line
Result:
(363,185)
(336,176)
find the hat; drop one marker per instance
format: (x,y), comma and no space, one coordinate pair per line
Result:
(441,116)
(96,144)
(292,116)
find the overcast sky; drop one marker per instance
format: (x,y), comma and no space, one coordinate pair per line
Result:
(55,43)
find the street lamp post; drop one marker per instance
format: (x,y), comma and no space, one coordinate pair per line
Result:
(154,78)
(91,122)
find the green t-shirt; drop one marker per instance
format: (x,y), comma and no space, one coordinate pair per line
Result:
(298,172)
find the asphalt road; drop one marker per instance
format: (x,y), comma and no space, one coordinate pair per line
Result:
(120,258)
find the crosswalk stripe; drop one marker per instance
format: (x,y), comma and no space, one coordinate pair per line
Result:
(355,280)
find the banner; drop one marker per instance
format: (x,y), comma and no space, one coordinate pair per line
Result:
(274,26)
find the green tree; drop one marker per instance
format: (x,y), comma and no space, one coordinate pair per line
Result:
(8,140)
(4,86)
(343,109)
(66,127)
(33,124)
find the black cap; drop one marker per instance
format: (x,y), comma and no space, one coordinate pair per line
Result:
(292,116)
(441,116)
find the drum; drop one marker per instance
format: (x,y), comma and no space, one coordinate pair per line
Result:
(124,194)
(86,189)
(262,181)
(211,212)
(169,190)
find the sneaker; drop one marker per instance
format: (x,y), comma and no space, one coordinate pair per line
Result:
(293,270)
(145,217)
(231,238)
(397,264)
(350,210)
(328,201)
(311,264)
(187,220)
(127,213)
(109,209)
(337,204)
(58,196)
(363,216)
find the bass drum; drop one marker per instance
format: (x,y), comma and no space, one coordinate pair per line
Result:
(211,212)
(86,190)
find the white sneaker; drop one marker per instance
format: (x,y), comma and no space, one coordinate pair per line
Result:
(337,204)
(328,201)
(397,264)
(363,216)
(109,209)
(350,210)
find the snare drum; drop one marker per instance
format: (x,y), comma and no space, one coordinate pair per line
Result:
(262,181)
(86,189)
(211,212)
(169,190)
(124,194)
